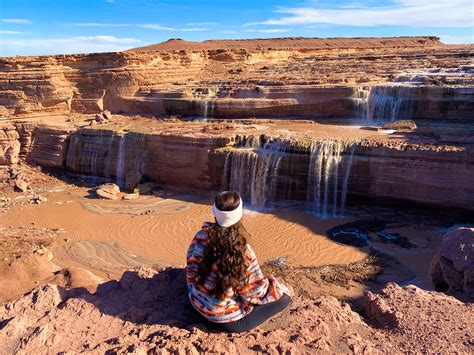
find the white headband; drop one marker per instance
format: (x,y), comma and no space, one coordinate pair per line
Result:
(227,218)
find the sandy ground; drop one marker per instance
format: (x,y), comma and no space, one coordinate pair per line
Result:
(99,239)
(153,230)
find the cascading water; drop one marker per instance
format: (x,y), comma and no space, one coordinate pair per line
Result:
(120,166)
(253,169)
(108,154)
(205,102)
(207,107)
(324,194)
(131,156)
(360,96)
(257,166)
(383,103)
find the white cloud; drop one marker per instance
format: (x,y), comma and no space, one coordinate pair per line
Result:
(106,39)
(17,21)
(269,30)
(202,24)
(82,44)
(449,39)
(433,13)
(7,32)
(100,24)
(228,31)
(158,27)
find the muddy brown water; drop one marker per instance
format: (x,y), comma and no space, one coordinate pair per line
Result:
(108,237)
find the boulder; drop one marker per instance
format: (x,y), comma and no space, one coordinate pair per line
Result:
(107,114)
(21,185)
(132,179)
(452,268)
(401,125)
(132,196)
(108,191)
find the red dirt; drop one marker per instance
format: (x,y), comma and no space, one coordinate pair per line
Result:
(148,311)
(291,42)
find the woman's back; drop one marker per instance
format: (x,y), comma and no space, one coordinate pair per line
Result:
(253,288)
(225,282)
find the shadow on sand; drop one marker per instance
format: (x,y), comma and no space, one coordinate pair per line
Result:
(145,296)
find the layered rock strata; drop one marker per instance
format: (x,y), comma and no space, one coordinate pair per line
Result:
(320,171)
(314,78)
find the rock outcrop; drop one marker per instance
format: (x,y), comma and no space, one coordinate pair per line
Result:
(148,311)
(452,268)
(293,77)
(9,144)
(108,191)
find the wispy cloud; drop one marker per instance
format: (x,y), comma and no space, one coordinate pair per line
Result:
(449,39)
(228,31)
(110,1)
(202,24)
(7,32)
(100,24)
(153,26)
(432,13)
(158,27)
(17,21)
(82,44)
(268,30)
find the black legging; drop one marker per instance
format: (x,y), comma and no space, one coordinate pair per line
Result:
(259,314)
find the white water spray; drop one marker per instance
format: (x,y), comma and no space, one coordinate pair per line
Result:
(324,195)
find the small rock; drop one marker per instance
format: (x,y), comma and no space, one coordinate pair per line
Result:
(108,191)
(132,196)
(21,185)
(107,114)
(401,125)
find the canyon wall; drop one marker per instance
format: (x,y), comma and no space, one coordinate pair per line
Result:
(367,169)
(308,78)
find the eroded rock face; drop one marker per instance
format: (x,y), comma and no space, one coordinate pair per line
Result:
(9,145)
(241,79)
(452,268)
(148,310)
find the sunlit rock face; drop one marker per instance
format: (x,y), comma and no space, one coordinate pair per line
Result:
(312,78)
(355,83)
(321,173)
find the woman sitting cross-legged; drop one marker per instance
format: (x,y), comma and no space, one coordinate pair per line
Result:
(225,283)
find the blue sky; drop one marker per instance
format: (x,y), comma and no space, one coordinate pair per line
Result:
(29,27)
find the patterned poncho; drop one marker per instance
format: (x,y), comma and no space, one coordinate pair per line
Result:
(254,289)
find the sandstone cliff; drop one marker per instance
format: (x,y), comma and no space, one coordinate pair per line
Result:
(294,77)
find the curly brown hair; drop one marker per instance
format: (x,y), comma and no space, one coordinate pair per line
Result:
(226,248)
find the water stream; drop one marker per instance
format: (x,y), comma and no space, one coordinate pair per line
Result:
(384,103)
(260,168)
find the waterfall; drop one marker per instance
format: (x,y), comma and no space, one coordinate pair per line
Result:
(360,96)
(252,170)
(205,103)
(383,103)
(262,169)
(324,194)
(131,156)
(207,107)
(107,153)
(120,166)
